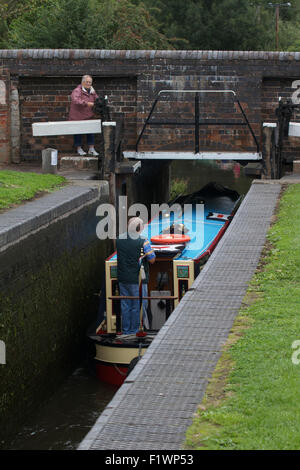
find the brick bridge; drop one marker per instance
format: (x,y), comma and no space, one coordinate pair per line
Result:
(35,86)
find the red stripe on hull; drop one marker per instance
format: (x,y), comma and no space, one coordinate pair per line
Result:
(213,244)
(112,374)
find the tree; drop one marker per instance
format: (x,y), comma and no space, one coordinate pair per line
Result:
(289,27)
(11,9)
(125,24)
(87,24)
(225,24)
(233,25)
(173,17)
(148,24)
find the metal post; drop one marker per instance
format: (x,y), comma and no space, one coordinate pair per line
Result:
(197,123)
(168,308)
(118,316)
(277,8)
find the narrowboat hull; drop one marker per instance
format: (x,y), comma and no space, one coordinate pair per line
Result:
(115,357)
(171,276)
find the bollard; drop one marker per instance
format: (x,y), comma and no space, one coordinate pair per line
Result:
(49,161)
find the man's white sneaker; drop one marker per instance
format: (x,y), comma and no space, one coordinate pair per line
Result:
(93,152)
(80,151)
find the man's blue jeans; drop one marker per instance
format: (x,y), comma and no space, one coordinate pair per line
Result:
(131,308)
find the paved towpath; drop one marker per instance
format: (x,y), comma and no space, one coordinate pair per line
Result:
(154,407)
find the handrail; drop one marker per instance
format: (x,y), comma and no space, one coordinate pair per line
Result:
(197,122)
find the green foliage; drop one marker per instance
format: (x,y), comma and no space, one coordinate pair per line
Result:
(86,24)
(11,9)
(148,24)
(226,24)
(16,187)
(178,186)
(260,407)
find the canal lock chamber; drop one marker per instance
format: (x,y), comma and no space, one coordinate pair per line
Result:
(51,269)
(51,265)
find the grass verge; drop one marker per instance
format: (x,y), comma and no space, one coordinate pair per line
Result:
(252,401)
(16,187)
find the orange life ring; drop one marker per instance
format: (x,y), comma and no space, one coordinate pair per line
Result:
(169,239)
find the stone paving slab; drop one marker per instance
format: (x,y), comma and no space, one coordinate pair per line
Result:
(22,220)
(155,405)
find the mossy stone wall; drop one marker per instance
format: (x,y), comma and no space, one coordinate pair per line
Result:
(47,287)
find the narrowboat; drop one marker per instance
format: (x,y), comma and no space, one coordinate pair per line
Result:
(182,235)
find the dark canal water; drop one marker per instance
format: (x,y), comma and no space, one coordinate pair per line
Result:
(64,420)
(197,174)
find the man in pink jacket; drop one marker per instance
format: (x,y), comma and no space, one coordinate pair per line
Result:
(83,98)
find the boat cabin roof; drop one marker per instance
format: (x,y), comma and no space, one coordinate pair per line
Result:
(196,225)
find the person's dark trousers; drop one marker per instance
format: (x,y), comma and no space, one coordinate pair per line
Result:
(78,139)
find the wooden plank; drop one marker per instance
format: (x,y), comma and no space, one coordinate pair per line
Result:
(88,126)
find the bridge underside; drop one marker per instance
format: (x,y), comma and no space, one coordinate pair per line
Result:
(170,155)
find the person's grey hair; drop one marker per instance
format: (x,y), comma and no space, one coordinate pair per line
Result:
(85,77)
(135,225)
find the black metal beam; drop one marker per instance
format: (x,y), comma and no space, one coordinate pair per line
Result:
(146,122)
